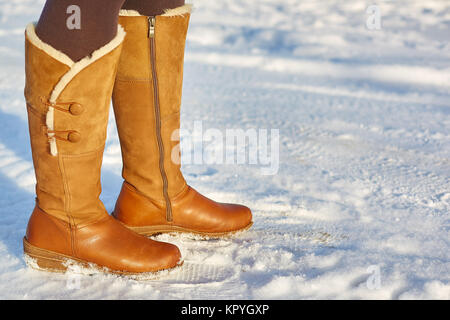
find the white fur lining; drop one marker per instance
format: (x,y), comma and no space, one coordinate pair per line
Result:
(75,68)
(52,52)
(49,121)
(86,61)
(178,11)
(129,13)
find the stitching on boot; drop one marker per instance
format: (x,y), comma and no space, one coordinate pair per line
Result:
(66,206)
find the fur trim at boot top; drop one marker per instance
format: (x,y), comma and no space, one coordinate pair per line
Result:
(75,68)
(178,11)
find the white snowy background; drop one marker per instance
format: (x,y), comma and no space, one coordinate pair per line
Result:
(360,205)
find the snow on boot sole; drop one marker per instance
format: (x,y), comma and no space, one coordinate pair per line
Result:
(45,260)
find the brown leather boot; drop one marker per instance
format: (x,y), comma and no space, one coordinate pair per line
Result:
(147,96)
(68,104)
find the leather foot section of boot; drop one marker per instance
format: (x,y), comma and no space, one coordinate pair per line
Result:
(106,246)
(191,213)
(147,102)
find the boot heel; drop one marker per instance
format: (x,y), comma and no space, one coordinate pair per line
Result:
(45,259)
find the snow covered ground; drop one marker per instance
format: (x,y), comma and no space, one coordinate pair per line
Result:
(360,205)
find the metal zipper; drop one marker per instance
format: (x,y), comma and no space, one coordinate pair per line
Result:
(151,36)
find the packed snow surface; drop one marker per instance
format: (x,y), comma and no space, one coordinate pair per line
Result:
(359,206)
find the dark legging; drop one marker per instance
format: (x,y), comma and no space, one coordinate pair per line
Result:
(97,22)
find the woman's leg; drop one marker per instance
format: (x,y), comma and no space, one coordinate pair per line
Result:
(151,7)
(98,25)
(68,105)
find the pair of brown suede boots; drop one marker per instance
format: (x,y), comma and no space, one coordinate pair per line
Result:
(68,104)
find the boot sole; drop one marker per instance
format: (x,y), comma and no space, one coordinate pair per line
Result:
(45,260)
(154,230)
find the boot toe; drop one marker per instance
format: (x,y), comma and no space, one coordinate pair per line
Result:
(242,217)
(161,256)
(172,257)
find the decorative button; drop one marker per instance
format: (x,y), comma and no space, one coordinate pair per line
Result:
(76,109)
(74,136)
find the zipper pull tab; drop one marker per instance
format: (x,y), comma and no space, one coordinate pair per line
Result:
(151,27)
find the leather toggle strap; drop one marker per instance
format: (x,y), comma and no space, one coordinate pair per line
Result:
(63,135)
(74,108)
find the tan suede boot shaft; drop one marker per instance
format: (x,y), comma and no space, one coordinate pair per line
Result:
(134,102)
(147,98)
(68,135)
(68,104)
